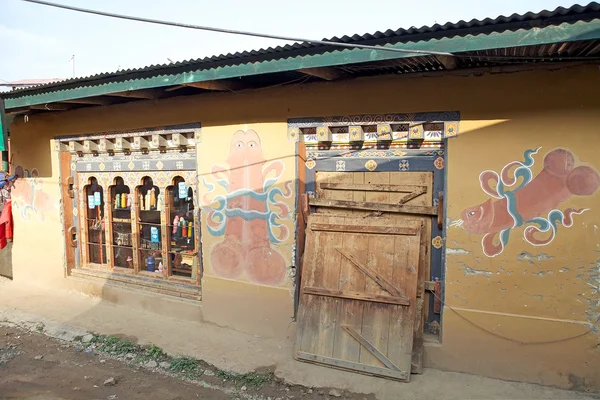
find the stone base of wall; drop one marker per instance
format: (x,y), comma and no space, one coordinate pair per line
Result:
(6,261)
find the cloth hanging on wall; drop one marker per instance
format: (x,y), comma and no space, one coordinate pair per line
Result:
(6,225)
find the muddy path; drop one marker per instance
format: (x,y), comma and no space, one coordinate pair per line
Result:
(36,367)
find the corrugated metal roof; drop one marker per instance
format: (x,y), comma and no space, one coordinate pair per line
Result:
(460,28)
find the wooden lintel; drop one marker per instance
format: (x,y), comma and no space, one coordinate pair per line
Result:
(325,73)
(51,107)
(373,298)
(369,346)
(148,94)
(353,366)
(382,207)
(380,280)
(373,187)
(95,101)
(449,62)
(378,230)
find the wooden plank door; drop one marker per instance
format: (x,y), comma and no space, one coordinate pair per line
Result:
(358,294)
(411,189)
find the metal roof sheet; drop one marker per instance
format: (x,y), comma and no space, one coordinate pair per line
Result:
(436,31)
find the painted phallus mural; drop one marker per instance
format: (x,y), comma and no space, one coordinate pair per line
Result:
(250,217)
(520,199)
(28,196)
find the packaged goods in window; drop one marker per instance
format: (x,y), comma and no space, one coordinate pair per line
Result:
(123,239)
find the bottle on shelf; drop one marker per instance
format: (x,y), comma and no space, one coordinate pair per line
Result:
(147,201)
(150,263)
(175,226)
(152,199)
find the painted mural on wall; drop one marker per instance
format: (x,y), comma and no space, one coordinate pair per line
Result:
(29,198)
(519,199)
(250,216)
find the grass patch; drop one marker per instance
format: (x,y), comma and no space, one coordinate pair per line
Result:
(155,352)
(252,380)
(115,345)
(40,328)
(187,367)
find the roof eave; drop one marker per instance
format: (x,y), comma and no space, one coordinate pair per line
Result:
(566,32)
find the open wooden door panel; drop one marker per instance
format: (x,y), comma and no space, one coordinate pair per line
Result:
(358,295)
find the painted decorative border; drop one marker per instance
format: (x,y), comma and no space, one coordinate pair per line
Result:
(154,161)
(161,130)
(374,128)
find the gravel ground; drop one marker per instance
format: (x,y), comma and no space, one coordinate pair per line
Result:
(36,367)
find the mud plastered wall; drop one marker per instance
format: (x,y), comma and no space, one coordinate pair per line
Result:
(247,176)
(502,115)
(38,248)
(523,247)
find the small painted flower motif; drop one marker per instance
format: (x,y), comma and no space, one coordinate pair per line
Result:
(371,165)
(404,165)
(310,194)
(437,242)
(310,163)
(75,211)
(131,165)
(340,165)
(293,134)
(451,129)
(102,167)
(439,163)
(73,166)
(159,165)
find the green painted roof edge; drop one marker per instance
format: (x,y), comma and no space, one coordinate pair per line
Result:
(565,32)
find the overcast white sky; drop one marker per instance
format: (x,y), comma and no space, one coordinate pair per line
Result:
(38,41)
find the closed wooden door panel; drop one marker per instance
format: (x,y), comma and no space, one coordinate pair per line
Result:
(410,188)
(358,294)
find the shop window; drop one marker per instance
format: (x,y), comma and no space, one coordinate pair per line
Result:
(182,249)
(122,244)
(96,227)
(149,203)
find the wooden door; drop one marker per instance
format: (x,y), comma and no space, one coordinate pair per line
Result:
(402,196)
(358,294)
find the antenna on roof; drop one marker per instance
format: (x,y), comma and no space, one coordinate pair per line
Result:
(73,60)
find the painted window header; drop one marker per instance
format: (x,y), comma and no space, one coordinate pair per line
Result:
(159,138)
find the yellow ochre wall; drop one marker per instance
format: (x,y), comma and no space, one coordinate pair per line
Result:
(527,314)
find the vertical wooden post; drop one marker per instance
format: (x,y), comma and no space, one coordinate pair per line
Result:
(164,229)
(135,232)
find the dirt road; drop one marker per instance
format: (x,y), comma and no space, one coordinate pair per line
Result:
(35,367)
